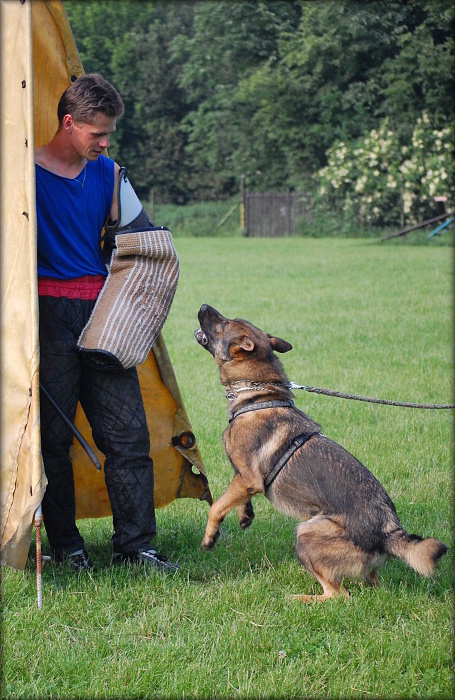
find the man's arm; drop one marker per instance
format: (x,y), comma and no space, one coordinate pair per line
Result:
(114,207)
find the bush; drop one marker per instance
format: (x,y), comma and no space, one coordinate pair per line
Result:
(376,180)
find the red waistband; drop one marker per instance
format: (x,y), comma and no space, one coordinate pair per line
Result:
(87,287)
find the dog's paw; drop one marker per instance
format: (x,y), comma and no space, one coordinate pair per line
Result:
(246,521)
(246,515)
(209,542)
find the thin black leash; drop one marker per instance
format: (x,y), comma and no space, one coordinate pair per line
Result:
(341,395)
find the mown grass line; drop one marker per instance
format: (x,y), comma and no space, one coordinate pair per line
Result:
(364,318)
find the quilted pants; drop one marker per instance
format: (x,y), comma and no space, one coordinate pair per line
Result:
(112,402)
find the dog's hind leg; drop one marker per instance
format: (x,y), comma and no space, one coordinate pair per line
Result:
(327,553)
(372,579)
(238,493)
(331,590)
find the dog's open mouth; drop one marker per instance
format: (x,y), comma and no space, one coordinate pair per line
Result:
(201,337)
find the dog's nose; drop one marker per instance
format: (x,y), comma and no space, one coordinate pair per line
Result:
(207,309)
(207,314)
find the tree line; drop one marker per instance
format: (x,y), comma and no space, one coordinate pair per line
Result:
(214,90)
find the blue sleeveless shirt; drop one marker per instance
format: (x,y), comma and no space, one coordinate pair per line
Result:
(70,216)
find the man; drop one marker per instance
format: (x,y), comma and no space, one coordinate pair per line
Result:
(76,193)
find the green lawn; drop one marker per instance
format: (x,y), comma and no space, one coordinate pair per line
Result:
(365,318)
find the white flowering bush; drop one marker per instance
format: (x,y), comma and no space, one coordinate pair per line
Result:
(379,181)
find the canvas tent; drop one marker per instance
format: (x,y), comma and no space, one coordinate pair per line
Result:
(39,60)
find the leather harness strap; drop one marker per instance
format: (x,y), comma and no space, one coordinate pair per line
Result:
(296,443)
(257,406)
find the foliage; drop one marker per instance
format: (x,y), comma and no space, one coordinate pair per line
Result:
(378,181)
(133,53)
(199,219)
(216,89)
(230,41)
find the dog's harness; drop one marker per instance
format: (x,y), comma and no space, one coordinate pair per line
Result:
(259,405)
(296,443)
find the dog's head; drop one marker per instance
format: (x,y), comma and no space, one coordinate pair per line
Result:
(236,342)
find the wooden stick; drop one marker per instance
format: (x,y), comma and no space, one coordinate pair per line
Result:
(416,226)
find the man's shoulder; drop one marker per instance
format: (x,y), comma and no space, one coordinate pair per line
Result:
(103,163)
(41,155)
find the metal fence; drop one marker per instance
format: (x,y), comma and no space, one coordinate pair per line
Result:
(274,214)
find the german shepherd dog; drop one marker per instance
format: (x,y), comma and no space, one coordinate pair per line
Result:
(350,523)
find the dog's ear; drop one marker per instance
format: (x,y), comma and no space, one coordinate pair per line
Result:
(243,343)
(279,344)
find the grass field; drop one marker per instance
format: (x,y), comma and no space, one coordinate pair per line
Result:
(365,318)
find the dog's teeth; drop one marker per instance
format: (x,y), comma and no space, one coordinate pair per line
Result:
(201,337)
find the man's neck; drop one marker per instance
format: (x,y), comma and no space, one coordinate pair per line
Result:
(59,157)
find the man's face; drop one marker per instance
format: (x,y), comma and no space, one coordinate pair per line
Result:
(89,140)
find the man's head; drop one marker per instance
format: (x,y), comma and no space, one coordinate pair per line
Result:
(87,97)
(87,114)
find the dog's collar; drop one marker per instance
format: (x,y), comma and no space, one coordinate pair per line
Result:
(260,405)
(232,390)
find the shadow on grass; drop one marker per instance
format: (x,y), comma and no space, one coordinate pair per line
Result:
(265,553)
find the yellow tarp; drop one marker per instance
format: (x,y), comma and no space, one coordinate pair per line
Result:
(39,60)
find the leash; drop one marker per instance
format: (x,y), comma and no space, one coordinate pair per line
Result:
(234,389)
(341,395)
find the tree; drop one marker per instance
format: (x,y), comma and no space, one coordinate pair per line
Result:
(133,53)
(230,40)
(327,83)
(220,88)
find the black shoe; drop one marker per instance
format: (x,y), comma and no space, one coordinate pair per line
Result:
(78,561)
(146,556)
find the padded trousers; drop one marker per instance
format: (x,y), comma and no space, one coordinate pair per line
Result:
(112,402)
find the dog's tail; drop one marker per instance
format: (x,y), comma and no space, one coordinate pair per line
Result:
(420,554)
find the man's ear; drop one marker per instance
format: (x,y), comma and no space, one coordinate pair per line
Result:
(67,122)
(244,343)
(279,344)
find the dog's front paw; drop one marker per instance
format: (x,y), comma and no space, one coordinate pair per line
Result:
(246,515)
(209,541)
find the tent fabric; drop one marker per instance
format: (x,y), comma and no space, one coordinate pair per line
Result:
(39,60)
(173,464)
(22,478)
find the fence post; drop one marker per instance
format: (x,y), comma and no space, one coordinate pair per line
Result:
(242,205)
(288,202)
